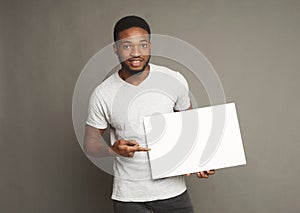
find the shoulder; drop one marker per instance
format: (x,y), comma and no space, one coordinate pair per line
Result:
(109,84)
(168,71)
(107,88)
(164,69)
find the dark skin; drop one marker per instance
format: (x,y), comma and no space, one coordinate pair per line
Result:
(133,50)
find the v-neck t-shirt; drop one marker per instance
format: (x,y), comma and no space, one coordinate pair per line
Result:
(122,106)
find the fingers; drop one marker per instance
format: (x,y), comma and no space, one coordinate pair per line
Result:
(136,148)
(132,148)
(142,149)
(128,142)
(211,172)
(127,148)
(203,174)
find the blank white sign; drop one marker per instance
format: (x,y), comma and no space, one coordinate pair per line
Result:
(194,140)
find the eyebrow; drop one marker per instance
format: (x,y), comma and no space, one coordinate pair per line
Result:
(144,40)
(129,42)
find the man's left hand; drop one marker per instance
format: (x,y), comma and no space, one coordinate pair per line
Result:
(204,174)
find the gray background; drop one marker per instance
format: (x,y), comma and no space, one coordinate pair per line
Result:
(253,45)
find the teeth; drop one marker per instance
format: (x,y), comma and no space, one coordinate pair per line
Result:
(136,63)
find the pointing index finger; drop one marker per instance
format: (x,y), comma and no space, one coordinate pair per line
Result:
(137,149)
(142,149)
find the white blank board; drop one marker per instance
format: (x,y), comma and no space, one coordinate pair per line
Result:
(195,140)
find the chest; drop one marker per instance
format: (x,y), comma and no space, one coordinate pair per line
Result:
(130,109)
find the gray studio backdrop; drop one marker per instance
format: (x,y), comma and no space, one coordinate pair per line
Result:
(253,45)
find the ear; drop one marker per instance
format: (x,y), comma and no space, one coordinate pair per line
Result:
(115,48)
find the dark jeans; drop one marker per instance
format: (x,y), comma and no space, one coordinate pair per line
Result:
(178,204)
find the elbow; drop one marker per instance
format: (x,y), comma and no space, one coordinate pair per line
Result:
(87,148)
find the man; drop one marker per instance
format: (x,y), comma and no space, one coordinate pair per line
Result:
(121,102)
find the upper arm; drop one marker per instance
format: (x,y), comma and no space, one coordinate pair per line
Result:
(92,133)
(97,111)
(102,131)
(183,101)
(93,143)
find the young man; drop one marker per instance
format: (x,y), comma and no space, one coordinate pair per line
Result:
(138,89)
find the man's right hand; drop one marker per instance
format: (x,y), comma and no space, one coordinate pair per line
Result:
(127,148)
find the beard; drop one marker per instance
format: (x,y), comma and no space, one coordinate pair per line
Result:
(133,72)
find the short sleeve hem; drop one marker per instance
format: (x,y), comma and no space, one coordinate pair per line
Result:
(97,126)
(184,107)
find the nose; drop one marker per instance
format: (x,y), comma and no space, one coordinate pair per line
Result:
(135,51)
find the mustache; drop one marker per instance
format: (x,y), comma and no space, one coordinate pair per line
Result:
(135,58)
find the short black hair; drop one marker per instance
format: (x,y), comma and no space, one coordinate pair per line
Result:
(128,22)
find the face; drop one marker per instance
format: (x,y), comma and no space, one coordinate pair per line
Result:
(133,49)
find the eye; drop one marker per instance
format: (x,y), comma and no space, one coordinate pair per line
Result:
(126,47)
(144,45)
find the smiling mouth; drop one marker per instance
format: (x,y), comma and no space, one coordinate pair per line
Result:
(136,62)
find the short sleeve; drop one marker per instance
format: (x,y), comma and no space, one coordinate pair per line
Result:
(96,112)
(183,100)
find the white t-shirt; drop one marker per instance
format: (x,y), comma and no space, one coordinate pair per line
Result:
(123,106)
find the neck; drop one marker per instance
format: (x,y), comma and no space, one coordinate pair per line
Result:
(134,77)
